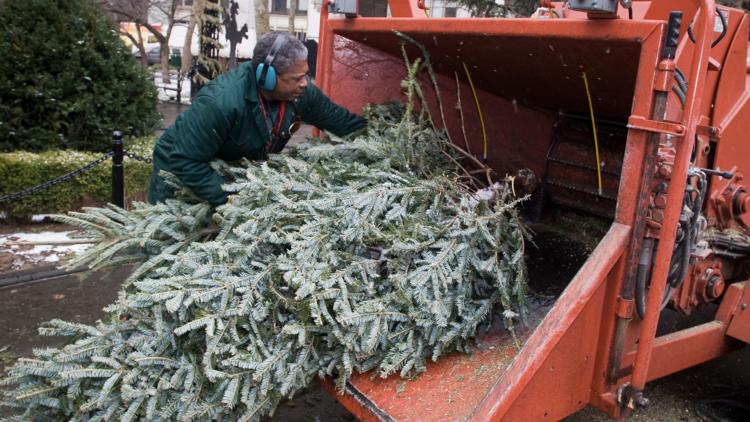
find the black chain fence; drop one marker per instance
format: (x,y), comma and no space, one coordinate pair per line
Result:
(116,154)
(138,157)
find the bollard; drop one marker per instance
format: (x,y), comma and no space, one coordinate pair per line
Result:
(118,177)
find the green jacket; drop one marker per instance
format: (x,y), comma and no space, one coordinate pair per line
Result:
(226,121)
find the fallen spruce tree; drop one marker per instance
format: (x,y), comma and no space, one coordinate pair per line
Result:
(364,253)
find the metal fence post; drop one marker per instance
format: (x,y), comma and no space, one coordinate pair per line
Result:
(118,177)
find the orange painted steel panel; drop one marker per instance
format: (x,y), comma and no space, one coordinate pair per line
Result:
(557,50)
(670,352)
(554,328)
(561,386)
(731,84)
(376,76)
(367,67)
(449,390)
(739,327)
(355,402)
(731,300)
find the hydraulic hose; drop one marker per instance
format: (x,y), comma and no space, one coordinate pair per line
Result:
(699,200)
(643,279)
(674,264)
(681,88)
(640,281)
(680,94)
(695,149)
(680,78)
(690,230)
(687,248)
(723,30)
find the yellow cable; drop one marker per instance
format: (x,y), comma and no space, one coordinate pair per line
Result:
(476,99)
(552,15)
(593,124)
(425,13)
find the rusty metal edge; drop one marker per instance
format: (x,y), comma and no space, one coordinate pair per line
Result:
(511,384)
(356,402)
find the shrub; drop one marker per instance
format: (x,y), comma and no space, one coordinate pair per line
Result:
(23,170)
(67,80)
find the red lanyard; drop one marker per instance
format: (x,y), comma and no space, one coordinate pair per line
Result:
(265,118)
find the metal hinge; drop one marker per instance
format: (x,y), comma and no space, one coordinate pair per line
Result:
(640,123)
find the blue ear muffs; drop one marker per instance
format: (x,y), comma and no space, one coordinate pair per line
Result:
(269,82)
(265,74)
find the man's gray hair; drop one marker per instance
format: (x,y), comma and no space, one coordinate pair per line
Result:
(288,55)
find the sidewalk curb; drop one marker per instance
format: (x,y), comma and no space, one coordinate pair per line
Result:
(34,274)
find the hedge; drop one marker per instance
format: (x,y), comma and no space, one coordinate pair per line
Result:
(23,170)
(67,80)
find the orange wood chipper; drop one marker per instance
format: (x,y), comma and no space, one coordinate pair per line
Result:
(666,84)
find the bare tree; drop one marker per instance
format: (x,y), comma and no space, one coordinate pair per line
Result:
(292,12)
(739,4)
(492,9)
(137,11)
(262,24)
(187,52)
(137,41)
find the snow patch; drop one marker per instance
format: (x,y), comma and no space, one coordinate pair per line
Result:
(39,218)
(41,249)
(486,194)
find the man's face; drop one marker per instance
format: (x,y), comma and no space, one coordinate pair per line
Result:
(290,85)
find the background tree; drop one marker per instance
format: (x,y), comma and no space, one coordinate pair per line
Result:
(138,41)
(292,12)
(262,25)
(187,52)
(68,86)
(492,9)
(209,21)
(739,4)
(138,11)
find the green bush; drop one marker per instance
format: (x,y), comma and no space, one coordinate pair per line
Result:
(67,80)
(23,170)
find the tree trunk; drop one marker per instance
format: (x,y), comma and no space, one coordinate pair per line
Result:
(187,51)
(141,47)
(262,25)
(163,48)
(138,42)
(292,12)
(164,44)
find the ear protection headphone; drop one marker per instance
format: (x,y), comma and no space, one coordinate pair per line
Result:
(265,74)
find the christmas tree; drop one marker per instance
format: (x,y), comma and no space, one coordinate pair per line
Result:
(362,253)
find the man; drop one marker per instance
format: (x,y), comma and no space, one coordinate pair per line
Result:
(234,117)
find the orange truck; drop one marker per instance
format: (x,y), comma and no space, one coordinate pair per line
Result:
(667,85)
